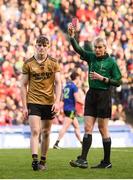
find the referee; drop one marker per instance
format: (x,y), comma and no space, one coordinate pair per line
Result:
(103,73)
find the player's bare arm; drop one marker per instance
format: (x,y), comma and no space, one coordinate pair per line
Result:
(78,98)
(24,83)
(58,87)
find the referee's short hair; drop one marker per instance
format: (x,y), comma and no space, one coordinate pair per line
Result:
(74,75)
(100,39)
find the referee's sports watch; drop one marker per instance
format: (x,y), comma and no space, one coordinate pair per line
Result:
(104,79)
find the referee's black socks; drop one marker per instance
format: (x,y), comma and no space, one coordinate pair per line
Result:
(107,149)
(87,140)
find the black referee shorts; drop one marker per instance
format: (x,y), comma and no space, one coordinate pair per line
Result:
(98,103)
(44,111)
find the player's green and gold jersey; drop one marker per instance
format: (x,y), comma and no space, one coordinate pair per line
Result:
(41,80)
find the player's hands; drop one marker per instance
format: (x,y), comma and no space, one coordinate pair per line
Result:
(56,108)
(71,30)
(94,75)
(25,114)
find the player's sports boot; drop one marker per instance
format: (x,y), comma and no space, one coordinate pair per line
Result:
(81,163)
(56,147)
(35,165)
(42,165)
(103,164)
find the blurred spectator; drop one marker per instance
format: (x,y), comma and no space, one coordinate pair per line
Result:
(121,113)
(118,113)
(114,113)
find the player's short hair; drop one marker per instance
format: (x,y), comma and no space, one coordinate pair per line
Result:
(42,40)
(74,75)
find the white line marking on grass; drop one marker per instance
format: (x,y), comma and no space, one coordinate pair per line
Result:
(123,150)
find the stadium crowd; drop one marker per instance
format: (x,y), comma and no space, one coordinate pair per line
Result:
(23,20)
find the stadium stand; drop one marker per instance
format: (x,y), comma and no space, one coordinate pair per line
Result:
(21,21)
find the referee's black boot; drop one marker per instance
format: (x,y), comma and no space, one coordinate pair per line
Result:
(81,163)
(103,164)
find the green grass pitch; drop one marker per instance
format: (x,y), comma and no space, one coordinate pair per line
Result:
(16,164)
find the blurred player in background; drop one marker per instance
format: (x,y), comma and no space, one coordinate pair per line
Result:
(70,97)
(103,72)
(40,77)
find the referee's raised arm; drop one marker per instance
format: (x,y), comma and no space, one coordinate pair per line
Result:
(72,32)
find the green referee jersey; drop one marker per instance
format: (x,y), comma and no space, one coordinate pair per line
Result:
(105,66)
